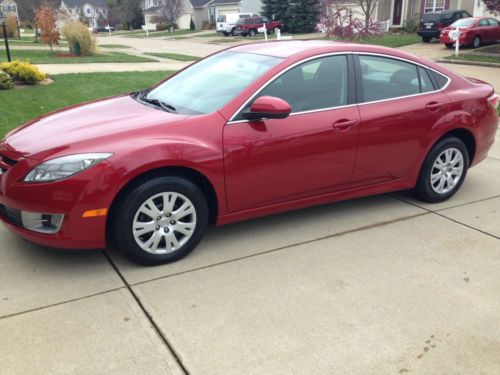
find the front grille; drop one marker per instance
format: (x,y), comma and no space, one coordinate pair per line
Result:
(11,215)
(6,163)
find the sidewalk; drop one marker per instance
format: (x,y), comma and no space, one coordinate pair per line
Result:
(111,67)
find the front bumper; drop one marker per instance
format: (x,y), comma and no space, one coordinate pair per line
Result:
(71,197)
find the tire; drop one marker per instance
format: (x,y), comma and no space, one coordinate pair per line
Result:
(233,31)
(171,235)
(476,42)
(446,150)
(426,39)
(225,33)
(449,45)
(252,32)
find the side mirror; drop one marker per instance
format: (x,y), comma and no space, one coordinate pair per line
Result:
(268,107)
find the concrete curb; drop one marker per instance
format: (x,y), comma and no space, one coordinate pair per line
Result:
(471,63)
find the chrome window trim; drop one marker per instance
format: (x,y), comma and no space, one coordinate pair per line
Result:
(232,121)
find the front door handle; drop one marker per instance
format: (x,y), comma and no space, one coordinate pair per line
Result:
(344,124)
(433,106)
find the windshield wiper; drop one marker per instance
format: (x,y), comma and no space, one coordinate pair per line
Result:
(165,106)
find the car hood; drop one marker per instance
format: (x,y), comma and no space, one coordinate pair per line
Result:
(86,125)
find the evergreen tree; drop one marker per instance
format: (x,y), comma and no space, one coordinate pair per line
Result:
(276,9)
(303,15)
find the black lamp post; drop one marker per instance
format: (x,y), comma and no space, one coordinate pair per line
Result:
(3,21)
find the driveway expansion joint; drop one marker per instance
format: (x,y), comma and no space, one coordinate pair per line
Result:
(148,316)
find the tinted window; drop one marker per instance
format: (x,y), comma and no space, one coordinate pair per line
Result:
(385,78)
(317,84)
(440,80)
(430,17)
(425,81)
(464,22)
(484,23)
(493,22)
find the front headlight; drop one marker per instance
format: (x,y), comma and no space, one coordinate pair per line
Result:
(59,168)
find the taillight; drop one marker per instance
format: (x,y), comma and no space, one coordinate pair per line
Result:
(494,100)
(441,25)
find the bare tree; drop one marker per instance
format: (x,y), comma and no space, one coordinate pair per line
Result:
(171,11)
(367,7)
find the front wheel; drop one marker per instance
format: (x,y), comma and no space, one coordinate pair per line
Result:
(252,32)
(225,33)
(444,171)
(161,220)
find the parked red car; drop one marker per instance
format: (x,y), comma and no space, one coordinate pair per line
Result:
(251,26)
(473,31)
(254,130)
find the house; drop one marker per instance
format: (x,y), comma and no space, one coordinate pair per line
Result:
(399,12)
(9,6)
(94,11)
(190,9)
(200,11)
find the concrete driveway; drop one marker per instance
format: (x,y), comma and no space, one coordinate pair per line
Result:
(380,285)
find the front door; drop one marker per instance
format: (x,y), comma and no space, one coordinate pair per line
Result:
(309,153)
(396,16)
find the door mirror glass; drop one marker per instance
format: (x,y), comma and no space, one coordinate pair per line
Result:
(268,107)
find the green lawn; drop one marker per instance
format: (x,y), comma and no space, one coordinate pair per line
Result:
(392,40)
(49,57)
(175,56)
(475,58)
(20,105)
(157,34)
(114,46)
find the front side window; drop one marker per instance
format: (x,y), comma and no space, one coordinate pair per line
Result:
(210,84)
(313,85)
(386,78)
(484,23)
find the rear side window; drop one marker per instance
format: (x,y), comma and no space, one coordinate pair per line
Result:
(440,79)
(425,81)
(493,22)
(386,78)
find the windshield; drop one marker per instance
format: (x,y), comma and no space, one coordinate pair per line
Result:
(464,22)
(210,84)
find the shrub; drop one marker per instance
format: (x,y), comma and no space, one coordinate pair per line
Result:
(80,39)
(23,72)
(46,21)
(11,26)
(5,81)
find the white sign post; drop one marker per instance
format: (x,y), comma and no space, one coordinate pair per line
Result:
(455,36)
(263,29)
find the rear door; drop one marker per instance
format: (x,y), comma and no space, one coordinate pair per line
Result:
(485,31)
(398,103)
(495,29)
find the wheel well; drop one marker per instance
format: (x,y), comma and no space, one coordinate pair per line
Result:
(466,137)
(192,175)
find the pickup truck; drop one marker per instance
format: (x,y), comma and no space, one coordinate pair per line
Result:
(251,26)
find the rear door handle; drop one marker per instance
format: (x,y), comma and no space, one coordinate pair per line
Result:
(344,124)
(433,106)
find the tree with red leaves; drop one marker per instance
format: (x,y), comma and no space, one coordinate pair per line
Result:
(493,6)
(45,21)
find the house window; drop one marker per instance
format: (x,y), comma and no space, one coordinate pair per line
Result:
(433,5)
(88,10)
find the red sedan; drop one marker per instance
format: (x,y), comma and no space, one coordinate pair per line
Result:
(250,131)
(473,31)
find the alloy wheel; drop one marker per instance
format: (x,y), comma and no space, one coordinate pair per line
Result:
(447,170)
(164,223)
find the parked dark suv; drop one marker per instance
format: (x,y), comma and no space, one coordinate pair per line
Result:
(431,23)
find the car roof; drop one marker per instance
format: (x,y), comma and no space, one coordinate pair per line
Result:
(305,48)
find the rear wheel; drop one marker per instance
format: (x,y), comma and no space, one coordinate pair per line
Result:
(426,39)
(449,45)
(161,220)
(252,32)
(233,31)
(476,42)
(225,33)
(444,171)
